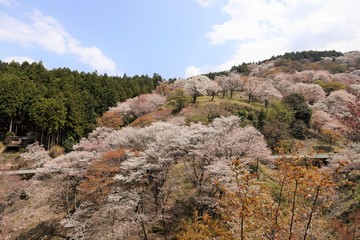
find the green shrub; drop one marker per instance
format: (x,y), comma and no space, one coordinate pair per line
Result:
(298,130)
(68,144)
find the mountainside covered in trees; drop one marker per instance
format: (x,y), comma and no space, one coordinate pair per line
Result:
(262,151)
(60,105)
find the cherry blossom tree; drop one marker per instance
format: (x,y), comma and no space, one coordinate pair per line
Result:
(218,145)
(267,91)
(336,103)
(118,217)
(352,121)
(311,92)
(234,82)
(322,75)
(239,144)
(140,105)
(75,160)
(355,90)
(322,120)
(231,83)
(143,176)
(346,79)
(221,81)
(251,85)
(199,157)
(95,140)
(36,154)
(213,89)
(282,82)
(197,86)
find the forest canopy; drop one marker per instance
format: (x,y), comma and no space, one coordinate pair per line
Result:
(60,104)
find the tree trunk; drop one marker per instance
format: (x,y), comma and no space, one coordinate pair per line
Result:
(42,136)
(163,222)
(194,97)
(312,211)
(75,207)
(273,231)
(213,96)
(67,201)
(144,230)
(58,136)
(48,140)
(293,210)
(11,125)
(242,229)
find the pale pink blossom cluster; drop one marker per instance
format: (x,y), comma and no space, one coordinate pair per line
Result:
(143,184)
(140,105)
(75,160)
(230,83)
(350,156)
(200,147)
(116,219)
(336,103)
(36,154)
(322,120)
(312,92)
(346,78)
(266,91)
(355,90)
(198,86)
(95,140)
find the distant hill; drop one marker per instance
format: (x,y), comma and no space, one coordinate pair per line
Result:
(312,56)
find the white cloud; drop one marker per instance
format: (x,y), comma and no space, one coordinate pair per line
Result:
(7,3)
(19,59)
(47,33)
(192,71)
(205,3)
(262,28)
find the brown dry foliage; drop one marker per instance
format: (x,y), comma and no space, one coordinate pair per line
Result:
(350,230)
(204,227)
(143,121)
(56,151)
(110,119)
(163,89)
(99,177)
(162,114)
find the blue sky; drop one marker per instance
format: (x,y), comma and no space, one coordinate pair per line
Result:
(174,38)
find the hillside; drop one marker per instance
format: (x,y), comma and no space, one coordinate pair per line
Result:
(262,151)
